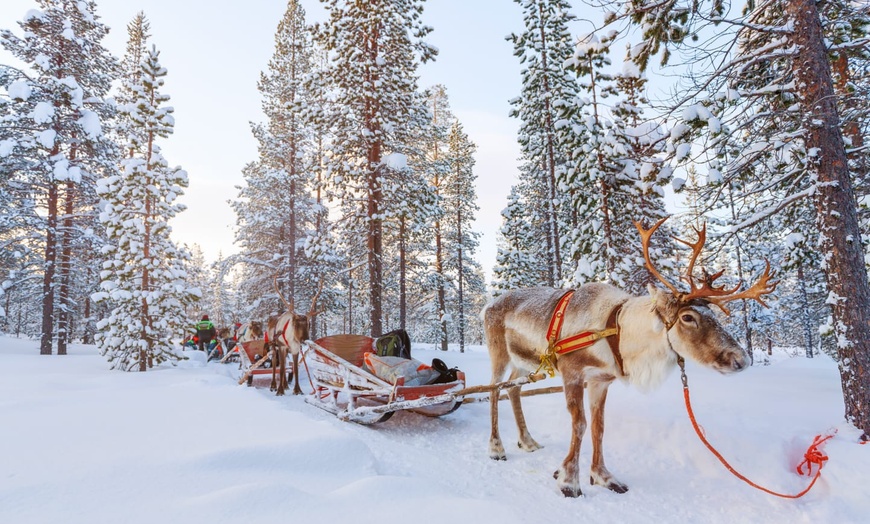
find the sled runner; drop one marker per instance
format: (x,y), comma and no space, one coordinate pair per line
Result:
(347,389)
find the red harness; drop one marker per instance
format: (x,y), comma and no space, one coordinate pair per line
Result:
(587,338)
(283,333)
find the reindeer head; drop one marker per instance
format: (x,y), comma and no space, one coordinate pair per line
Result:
(692,328)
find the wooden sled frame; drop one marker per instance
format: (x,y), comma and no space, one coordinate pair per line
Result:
(347,390)
(254,367)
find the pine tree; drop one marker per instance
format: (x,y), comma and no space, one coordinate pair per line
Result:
(459,202)
(543,48)
(376,47)
(515,267)
(279,217)
(143,277)
(64,112)
(437,170)
(613,180)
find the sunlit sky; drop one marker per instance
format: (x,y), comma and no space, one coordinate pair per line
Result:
(215,50)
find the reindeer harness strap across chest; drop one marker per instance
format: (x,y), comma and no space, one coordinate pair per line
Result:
(557,346)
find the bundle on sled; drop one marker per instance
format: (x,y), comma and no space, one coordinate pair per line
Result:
(366,380)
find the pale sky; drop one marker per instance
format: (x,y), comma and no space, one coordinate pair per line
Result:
(214,52)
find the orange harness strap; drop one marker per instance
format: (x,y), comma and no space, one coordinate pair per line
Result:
(581,340)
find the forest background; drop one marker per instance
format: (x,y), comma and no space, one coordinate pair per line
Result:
(764,137)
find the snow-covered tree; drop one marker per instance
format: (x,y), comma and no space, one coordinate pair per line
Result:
(543,48)
(58,109)
(459,200)
(279,218)
(515,266)
(143,277)
(375,48)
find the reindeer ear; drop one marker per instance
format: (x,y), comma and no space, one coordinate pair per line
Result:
(664,303)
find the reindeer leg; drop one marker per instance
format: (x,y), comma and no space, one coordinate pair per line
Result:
(296,389)
(599,473)
(567,476)
(499,366)
(281,370)
(274,350)
(525,442)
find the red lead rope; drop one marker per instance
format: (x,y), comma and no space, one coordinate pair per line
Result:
(814,455)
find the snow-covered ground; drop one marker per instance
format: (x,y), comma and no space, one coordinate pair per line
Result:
(81,444)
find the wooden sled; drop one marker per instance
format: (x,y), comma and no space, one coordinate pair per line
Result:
(254,358)
(350,392)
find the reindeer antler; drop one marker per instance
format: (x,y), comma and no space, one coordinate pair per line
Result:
(313,312)
(762,286)
(288,304)
(645,235)
(706,290)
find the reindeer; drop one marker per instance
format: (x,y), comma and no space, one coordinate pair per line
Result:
(635,339)
(286,333)
(249,331)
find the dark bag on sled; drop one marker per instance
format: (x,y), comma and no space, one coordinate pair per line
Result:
(445,374)
(394,344)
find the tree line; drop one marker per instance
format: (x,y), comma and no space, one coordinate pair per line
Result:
(362,192)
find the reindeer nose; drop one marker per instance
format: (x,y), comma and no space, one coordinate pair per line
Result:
(739,362)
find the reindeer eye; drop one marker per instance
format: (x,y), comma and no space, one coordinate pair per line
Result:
(687,318)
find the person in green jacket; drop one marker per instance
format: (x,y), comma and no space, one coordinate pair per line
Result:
(205,332)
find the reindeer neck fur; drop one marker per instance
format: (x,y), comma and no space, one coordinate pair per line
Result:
(643,341)
(646,354)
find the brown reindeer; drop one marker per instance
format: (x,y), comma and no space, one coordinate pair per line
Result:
(249,331)
(636,339)
(286,333)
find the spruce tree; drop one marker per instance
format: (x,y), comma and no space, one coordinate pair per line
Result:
(143,278)
(543,48)
(376,48)
(515,267)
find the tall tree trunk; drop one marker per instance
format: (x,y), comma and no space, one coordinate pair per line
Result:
(403,288)
(47,329)
(439,271)
(835,211)
(375,245)
(375,195)
(460,278)
(64,268)
(292,264)
(554,257)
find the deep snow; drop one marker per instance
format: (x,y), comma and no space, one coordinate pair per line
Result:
(82,444)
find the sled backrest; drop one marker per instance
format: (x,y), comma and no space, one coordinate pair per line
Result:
(348,347)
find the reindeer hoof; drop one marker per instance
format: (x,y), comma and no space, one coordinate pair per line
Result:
(570,492)
(613,485)
(529,446)
(617,487)
(496,450)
